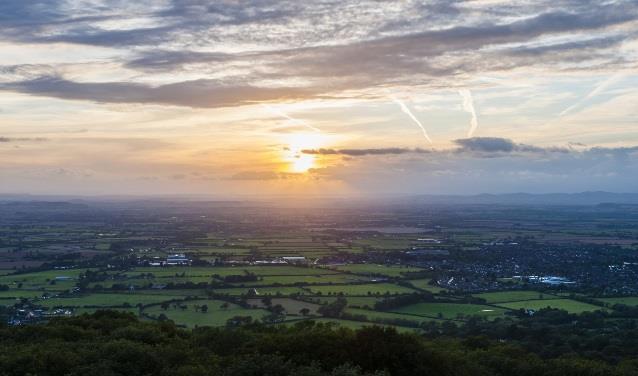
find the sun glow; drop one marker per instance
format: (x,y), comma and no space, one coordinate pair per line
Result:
(296,143)
(303,163)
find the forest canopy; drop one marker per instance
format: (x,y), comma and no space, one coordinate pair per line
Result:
(112,343)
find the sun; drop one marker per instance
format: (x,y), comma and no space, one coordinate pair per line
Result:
(297,160)
(303,163)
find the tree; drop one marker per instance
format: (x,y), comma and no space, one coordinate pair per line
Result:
(334,309)
(304,311)
(278,310)
(267,300)
(204,308)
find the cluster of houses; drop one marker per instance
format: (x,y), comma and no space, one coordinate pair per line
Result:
(28,316)
(177,259)
(549,280)
(180,259)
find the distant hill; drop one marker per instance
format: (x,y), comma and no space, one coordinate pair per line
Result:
(583,198)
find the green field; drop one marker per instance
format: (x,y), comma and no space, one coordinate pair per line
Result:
(228,270)
(513,296)
(450,310)
(424,284)
(261,291)
(291,306)
(106,300)
(378,315)
(353,301)
(307,279)
(216,316)
(362,290)
(19,293)
(627,300)
(41,276)
(571,306)
(350,324)
(49,280)
(386,243)
(375,269)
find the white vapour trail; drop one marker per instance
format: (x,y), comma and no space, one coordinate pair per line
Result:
(407,111)
(597,90)
(468,105)
(286,116)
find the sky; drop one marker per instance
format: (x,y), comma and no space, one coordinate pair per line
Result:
(336,98)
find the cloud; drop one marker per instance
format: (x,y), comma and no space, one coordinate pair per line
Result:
(501,145)
(364,152)
(284,115)
(407,111)
(411,53)
(486,144)
(594,92)
(162,60)
(475,147)
(198,93)
(500,165)
(20,139)
(468,105)
(249,46)
(264,175)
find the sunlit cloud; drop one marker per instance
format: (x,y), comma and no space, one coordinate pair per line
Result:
(212,97)
(468,105)
(407,111)
(278,112)
(604,85)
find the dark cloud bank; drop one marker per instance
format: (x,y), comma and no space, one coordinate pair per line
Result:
(475,146)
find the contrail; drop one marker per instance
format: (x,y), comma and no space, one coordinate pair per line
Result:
(406,110)
(597,90)
(468,105)
(286,116)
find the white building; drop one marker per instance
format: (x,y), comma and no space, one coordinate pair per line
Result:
(177,259)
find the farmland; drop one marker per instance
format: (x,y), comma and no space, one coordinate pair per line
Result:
(217,313)
(450,310)
(629,301)
(513,296)
(361,290)
(404,269)
(382,270)
(568,305)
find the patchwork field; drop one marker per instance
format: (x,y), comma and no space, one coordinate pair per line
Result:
(52,280)
(628,300)
(351,324)
(450,310)
(513,296)
(424,284)
(307,279)
(381,316)
(375,269)
(571,306)
(218,313)
(260,291)
(353,301)
(20,293)
(292,306)
(361,290)
(107,300)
